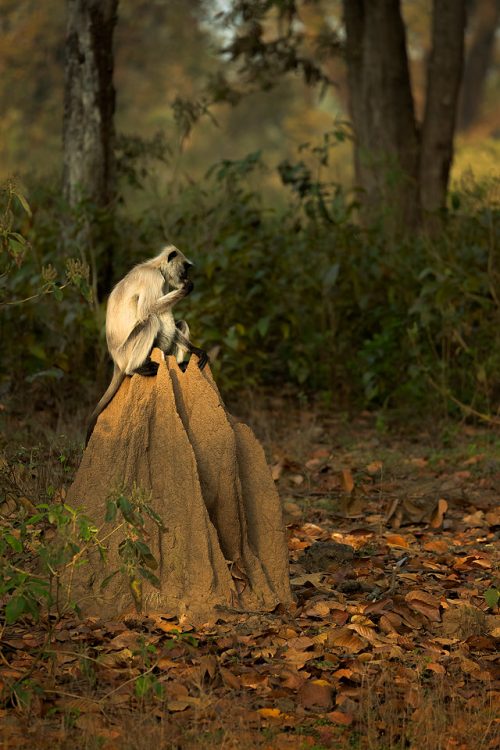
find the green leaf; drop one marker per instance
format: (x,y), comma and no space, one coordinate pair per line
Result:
(331,276)
(153,580)
(491,597)
(124,505)
(14,609)
(136,590)
(143,685)
(14,542)
(107,580)
(263,325)
(111,510)
(24,203)
(145,554)
(18,237)
(16,246)
(154,515)
(127,510)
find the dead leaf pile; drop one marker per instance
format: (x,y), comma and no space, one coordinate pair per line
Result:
(391,562)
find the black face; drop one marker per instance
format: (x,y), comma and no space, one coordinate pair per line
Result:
(185,270)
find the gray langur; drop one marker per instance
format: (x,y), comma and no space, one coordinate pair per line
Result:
(139,317)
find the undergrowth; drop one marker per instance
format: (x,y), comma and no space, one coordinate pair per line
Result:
(291,292)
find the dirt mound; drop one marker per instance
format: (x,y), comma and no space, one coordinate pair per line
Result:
(169,439)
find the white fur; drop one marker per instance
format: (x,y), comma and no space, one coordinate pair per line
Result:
(139,316)
(142,298)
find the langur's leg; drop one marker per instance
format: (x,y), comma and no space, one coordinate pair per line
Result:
(183,341)
(180,349)
(138,349)
(148,369)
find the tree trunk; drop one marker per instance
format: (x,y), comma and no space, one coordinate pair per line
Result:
(89,104)
(484,20)
(443,84)
(386,145)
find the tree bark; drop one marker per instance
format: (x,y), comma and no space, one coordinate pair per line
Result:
(443,85)
(484,20)
(386,138)
(89,104)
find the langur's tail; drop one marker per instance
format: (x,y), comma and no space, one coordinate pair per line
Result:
(116,381)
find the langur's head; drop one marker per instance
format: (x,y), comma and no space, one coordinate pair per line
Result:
(175,266)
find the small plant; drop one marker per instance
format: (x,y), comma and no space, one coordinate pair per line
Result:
(138,562)
(148,683)
(34,554)
(13,244)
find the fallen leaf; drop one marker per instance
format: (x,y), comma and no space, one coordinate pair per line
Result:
(438,515)
(277,470)
(296,543)
(129,639)
(269,713)
(316,693)
(298,658)
(347,481)
(346,639)
(425,603)
(229,679)
(374,468)
(301,643)
(91,723)
(363,630)
(316,579)
(436,545)
(254,680)
(387,625)
(342,673)
(396,540)
(475,520)
(292,509)
(474,459)
(84,705)
(319,609)
(208,666)
(165,663)
(291,679)
(320,453)
(435,667)
(339,717)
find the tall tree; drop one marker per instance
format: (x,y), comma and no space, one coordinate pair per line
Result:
(398,164)
(484,20)
(402,165)
(89,103)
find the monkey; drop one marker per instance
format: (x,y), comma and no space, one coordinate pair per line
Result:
(139,317)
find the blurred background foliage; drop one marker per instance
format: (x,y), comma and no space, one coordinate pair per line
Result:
(254,182)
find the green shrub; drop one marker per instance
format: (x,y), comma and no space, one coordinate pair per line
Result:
(287,291)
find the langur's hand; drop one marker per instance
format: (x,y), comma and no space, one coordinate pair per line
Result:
(187,287)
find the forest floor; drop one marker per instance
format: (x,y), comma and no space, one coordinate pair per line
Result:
(392,641)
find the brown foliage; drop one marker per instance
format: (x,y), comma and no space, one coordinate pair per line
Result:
(390,646)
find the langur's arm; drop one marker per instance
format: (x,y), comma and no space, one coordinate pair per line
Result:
(171,298)
(141,338)
(149,303)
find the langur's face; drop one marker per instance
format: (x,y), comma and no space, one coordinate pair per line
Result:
(177,267)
